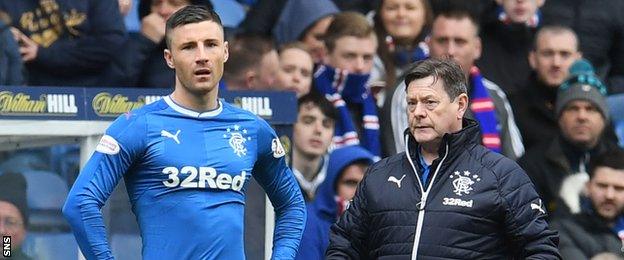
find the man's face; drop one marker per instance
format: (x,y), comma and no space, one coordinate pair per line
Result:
(314,39)
(456,39)
(197,54)
(12,223)
(313,131)
(606,191)
(166,8)
(267,71)
(353,54)
(520,11)
(403,19)
(295,73)
(349,180)
(553,55)
(581,123)
(430,111)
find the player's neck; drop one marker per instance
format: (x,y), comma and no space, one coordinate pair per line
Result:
(196,102)
(307,165)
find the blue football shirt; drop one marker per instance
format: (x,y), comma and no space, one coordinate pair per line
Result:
(186,174)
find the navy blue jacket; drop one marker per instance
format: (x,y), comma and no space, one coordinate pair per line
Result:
(10,60)
(323,210)
(478,205)
(77,38)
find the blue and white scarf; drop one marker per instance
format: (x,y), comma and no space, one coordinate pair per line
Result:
(341,87)
(482,106)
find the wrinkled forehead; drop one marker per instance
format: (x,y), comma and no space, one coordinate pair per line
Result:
(425,86)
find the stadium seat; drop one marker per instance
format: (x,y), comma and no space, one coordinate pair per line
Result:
(46,195)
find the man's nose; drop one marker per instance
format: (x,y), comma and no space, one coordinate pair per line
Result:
(201,56)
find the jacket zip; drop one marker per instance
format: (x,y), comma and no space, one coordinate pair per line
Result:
(423,197)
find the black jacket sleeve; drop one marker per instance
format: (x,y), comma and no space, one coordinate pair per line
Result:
(525,216)
(91,51)
(347,236)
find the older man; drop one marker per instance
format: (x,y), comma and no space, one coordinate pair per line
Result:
(446,196)
(455,34)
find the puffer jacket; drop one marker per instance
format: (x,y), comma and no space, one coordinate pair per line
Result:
(478,205)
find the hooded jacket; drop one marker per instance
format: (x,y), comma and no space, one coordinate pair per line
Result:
(478,205)
(323,211)
(299,15)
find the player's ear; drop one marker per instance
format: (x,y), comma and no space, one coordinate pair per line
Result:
(169,58)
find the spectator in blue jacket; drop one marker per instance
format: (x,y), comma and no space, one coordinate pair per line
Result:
(346,169)
(66,42)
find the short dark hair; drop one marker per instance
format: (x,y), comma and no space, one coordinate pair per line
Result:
(316,98)
(459,11)
(557,30)
(190,14)
(613,159)
(446,69)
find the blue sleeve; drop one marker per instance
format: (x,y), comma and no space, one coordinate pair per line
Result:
(280,185)
(93,50)
(115,153)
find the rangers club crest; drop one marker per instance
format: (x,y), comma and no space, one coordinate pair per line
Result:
(462,183)
(237,139)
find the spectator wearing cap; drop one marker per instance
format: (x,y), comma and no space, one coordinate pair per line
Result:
(559,168)
(141,62)
(13,212)
(346,169)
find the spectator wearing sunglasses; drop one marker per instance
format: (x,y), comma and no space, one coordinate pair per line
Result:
(346,169)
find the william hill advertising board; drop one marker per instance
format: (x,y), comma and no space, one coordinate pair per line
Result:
(42,103)
(56,103)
